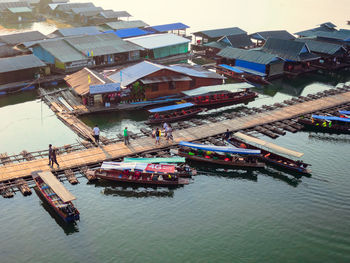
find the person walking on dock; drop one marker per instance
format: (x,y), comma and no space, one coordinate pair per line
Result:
(96,132)
(50,154)
(169,133)
(165,127)
(126,136)
(157,136)
(54,158)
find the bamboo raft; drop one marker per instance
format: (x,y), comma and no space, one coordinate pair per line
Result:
(95,155)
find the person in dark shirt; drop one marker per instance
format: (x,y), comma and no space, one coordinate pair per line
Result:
(53,158)
(227,135)
(50,153)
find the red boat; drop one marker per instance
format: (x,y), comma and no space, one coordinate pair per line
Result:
(223,98)
(141,173)
(56,195)
(173,113)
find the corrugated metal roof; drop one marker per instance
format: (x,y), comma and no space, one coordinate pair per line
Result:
(242,40)
(215,33)
(114,14)
(5,5)
(254,56)
(7,51)
(195,71)
(164,79)
(101,44)
(158,40)
(328,24)
(61,50)
(93,10)
(287,49)
(14,39)
(75,31)
(169,27)
(104,88)
(68,6)
(215,44)
(264,35)
(322,47)
(313,31)
(341,35)
(129,32)
(126,24)
(20,10)
(19,63)
(133,73)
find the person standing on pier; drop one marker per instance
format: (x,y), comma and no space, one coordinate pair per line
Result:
(157,136)
(54,158)
(50,154)
(169,133)
(96,132)
(126,136)
(165,127)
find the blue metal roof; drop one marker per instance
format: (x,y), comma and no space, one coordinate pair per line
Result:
(128,32)
(224,149)
(251,71)
(346,112)
(172,107)
(169,27)
(331,118)
(231,68)
(104,88)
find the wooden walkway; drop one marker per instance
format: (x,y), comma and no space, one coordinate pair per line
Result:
(95,155)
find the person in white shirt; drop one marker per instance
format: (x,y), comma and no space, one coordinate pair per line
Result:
(165,127)
(96,132)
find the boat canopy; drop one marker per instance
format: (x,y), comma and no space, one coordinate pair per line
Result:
(172,107)
(56,186)
(330,118)
(345,112)
(269,145)
(156,160)
(148,167)
(232,87)
(224,149)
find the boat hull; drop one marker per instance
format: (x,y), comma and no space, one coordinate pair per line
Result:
(229,101)
(335,128)
(175,118)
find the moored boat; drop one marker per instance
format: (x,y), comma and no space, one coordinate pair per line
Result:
(56,195)
(331,124)
(173,113)
(221,155)
(141,173)
(269,155)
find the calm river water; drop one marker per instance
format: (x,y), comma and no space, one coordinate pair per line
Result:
(223,216)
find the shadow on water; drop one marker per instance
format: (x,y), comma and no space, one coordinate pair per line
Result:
(327,137)
(68,228)
(285,177)
(134,191)
(16,98)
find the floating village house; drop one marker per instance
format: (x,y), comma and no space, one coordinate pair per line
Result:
(150,80)
(325,27)
(73,53)
(235,62)
(162,47)
(207,36)
(65,10)
(297,55)
(236,41)
(332,56)
(20,68)
(174,28)
(262,36)
(123,24)
(16,11)
(75,31)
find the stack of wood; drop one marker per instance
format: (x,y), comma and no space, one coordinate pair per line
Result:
(28,156)
(4,158)
(23,187)
(89,174)
(71,177)
(5,191)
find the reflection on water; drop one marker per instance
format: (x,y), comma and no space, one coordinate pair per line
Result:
(68,228)
(281,175)
(336,138)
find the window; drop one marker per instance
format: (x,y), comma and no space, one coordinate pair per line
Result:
(154,87)
(172,85)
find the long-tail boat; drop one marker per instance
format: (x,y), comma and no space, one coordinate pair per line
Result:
(331,124)
(56,195)
(214,99)
(141,173)
(269,155)
(344,113)
(220,155)
(181,168)
(173,113)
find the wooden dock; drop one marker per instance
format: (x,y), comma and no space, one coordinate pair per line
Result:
(76,159)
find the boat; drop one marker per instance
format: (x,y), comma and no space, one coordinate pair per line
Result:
(222,98)
(331,124)
(173,113)
(141,173)
(56,195)
(269,155)
(220,155)
(344,114)
(182,169)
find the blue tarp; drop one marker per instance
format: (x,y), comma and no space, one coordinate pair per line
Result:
(169,27)
(104,88)
(331,118)
(172,107)
(231,68)
(250,65)
(128,32)
(224,149)
(251,71)
(346,112)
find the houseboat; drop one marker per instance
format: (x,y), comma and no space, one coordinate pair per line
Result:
(331,124)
